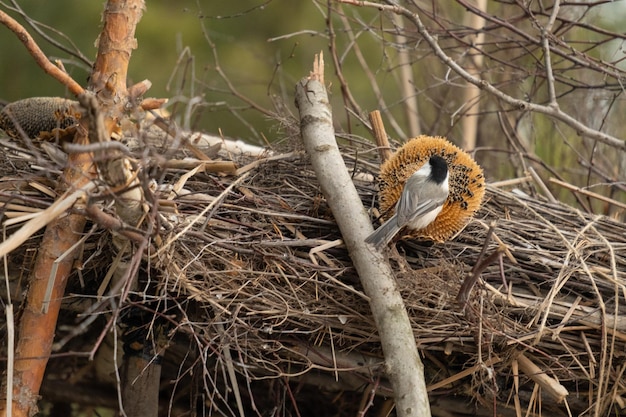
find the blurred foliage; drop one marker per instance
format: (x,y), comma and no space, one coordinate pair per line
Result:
(230,67)
(263,46)
(172,35)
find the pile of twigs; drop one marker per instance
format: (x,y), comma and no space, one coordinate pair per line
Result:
(252,275)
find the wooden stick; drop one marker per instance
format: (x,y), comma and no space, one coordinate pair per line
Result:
(551,385)
(384,148)
(402,361)
(460,375)
(588,193)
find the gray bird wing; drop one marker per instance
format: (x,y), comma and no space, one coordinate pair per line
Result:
(409,208)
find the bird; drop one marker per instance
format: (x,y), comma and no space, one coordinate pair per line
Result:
(466,184)
(422,199)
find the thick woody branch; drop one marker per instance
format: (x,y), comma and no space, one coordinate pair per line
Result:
(403,365)
(56,256)
(55,262)
(115,46)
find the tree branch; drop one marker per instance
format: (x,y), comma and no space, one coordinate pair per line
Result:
(56,256)
(522,105)
(403,365)
(38,322)
(41,59)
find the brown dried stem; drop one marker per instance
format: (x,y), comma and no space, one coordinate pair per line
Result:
(38,322)
(40,57)
(380,135)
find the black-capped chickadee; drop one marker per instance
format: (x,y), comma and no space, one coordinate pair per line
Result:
(420,202)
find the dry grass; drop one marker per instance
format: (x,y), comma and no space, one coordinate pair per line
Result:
(250,277)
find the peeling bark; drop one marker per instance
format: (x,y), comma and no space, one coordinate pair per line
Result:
(38,323)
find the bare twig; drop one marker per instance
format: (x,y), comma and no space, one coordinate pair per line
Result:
(519,104)
(38,54)
(37,27)
(552,386)
(588,193)
(474,67)
(45,217)
(371,76)
(545,42)
(480,265)
(346,93)
(407,81)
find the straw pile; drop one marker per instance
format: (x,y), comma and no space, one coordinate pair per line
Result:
(252,278)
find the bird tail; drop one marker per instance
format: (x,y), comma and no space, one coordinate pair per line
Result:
(383,235)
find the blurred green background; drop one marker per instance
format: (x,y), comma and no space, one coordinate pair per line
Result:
(172,35)
(264,47)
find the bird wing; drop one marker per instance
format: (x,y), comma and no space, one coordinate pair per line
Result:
(409,208)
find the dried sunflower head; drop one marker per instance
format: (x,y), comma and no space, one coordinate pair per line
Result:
(40,117)
(466,183)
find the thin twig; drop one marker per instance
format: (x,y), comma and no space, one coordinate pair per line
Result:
(365,67)
(545,43)
(588,193)
(39,56)
(519,104)
(37,28)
